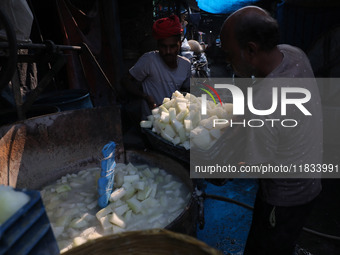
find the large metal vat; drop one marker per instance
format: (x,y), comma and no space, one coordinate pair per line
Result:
(38,151)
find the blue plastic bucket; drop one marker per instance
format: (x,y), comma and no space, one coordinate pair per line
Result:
(66,99)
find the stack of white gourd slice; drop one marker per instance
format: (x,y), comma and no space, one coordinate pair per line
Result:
(179,120)
(10,202)
(143,198)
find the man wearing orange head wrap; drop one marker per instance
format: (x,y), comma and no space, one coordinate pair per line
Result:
(163,71)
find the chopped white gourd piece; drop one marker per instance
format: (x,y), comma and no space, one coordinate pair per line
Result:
(141,167)
(127,215)
(177,94)
(134,204)
(177,125)
(194,107)
(131,178)
(159,124)
(57,231)
(144,194)
(129,192)
(182,135)
(159,179)
(127,185)
(150,203)
(103,212)
(155,111)
(105,222)
(197,131)
(166,99)
(66,245)
(170,185)
(168,178)
(92,205)
(154,217)
(116,229)
(79,241)
(172,114)
(164,201)
(146,124)
(169,104)
(182,115)
(120,166)
(176,140)
(64,219)
(166,136)
(177,205)
(121,209)
(162,109)
(209,122)
(117,194)
(182,99)
(72,232)
(75,184)
(203,140)
(228,107)
(181,106)
(187,125)
(151,118)
(63,188)
(119,179)
(78,223)
(131,169)
(165,117)
(90,233)
(117,203)
(221,113)
(155,170)
(196,118)
(153,190)
(190,97)
(139,185)
(94,235)
(156,116)
(186,145)
(147,173)
(169,131)
(115,219)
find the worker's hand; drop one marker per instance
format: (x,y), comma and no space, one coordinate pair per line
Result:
(151,102)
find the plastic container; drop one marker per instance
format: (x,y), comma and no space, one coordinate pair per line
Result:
(28,231)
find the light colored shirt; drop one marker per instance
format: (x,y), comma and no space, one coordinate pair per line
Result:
(159,80)
(287,146)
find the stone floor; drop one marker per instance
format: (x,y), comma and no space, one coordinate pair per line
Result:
(227,224)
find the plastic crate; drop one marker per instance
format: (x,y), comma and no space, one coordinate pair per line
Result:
(28,231)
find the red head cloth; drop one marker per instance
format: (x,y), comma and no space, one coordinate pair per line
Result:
(166,27)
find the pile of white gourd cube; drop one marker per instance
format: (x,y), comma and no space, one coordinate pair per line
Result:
(10,202)
(179,120)
(143,198)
